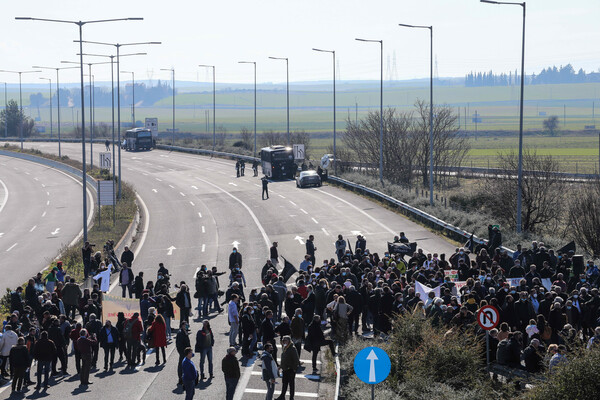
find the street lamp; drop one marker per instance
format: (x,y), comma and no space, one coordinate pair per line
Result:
(118,46)
(91,106)
(253,62)
(132,96)
(20,100)
(287,73)
(57,99)
(380,109)
(214,104)
(80,24)
(430,105)
(50,93)
(5,110)
(520,173)
(173,84)
(334,109)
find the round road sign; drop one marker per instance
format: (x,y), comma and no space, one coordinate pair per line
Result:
(488,317)
(372,365)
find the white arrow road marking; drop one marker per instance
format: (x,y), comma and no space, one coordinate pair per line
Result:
(299,239)
(170,252)
(192,203)
(315,221)
(155,191)
(235,243)
(372,357)
(325,231)
(32,229)
(203,247)
(55,232)
(194,187)
(355,232)
(231,183)
(11,247)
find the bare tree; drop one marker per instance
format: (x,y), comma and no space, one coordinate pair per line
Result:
(270,138)
(542,191)
(584,217)
(221,133)
(450,146)
(301,137)
(246,137)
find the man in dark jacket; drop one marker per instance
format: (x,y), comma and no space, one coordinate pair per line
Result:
(126,279)
(16,301)
(109,340)
(289,365)
(127,256)
(184,302)
(269,370)
(315,339)
(231,369)
(533,356)
(19,362)
(523,311)
(56,335)
(71,294)
(235,258)
(84,344)
(182,342)
(310,248)
(44,353)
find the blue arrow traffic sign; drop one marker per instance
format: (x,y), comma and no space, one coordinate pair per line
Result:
(372,365)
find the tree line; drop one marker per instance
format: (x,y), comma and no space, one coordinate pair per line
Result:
(550,75)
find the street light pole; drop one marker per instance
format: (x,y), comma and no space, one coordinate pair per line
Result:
(380,109)
(214,104)
(287,77)
(50,93)
(57,99)
(20,101)
(334,110)
(5,110)
(430,106)
(254,63)
(80,26)
(118,47)
(520,173)
(173,84)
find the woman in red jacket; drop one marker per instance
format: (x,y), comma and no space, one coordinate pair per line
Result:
(158,337)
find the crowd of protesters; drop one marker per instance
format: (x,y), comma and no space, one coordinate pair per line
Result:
(354,292)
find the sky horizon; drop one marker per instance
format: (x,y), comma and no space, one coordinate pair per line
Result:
(468,36)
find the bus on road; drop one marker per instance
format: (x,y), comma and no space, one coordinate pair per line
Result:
(138,139)
(278,162)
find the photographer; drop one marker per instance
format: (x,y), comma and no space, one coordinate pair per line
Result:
(86,253)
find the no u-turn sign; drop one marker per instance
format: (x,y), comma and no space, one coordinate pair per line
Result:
(488,317)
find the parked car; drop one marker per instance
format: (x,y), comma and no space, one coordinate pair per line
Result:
(308,178)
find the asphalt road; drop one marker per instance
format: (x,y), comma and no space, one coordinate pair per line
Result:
(198,206)
(39,214)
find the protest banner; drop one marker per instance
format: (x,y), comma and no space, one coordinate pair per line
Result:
(112,305)
(452,273)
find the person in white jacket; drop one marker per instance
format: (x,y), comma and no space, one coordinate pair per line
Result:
(8,340)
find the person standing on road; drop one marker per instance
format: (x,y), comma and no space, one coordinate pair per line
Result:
(265,187)
(71,295)
(234,319)
(127,256)
(107,145)
(289,365)
(126,280)
(315,339)
(44,353)
(86,254)
(269,370)
(85,344)
(19,361)
(189,373)
(231,369)
(255,167)
(205,340)
(274,255)
(184,302)
(235,258)
(182,343)
(310,248)
(158,332)
(109,339)
(340,248)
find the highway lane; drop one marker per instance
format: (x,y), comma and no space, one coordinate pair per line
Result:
(39,213)
(176,187)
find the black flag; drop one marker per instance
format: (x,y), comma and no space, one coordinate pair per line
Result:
(288,270)
(470,243)
(568,247)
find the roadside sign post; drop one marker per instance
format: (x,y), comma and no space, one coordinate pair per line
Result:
(298,150)
(105,160)
(106,196)
(488,318)
(372,365)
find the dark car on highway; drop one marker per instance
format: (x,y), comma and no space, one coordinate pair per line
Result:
(308,178)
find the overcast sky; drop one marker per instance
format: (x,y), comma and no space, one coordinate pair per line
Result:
(468,35)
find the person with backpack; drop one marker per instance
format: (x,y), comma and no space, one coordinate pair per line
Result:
(269,370)
(133,333)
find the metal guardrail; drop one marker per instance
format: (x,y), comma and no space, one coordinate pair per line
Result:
(206,152)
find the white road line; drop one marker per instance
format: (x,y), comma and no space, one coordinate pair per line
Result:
(192,203)
(35,179)
(203,229)
(158,179)
(277,392)
(43,214)
(231,183)
(203,248)
(259,373)
(11,247)
(325,231)
(294,204)
(257,185)
(43,185)
(33,229)
(48,202)
(172,187)
(47,193)
(200,214)
(182,194)
(283,197)
(27,173)
(194,187)
(304,211)
(315,221)
(145,174)
(155,191)
(5,195)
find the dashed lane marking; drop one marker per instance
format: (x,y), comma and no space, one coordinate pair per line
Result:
(11,247)
(315,221)
(192,203)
